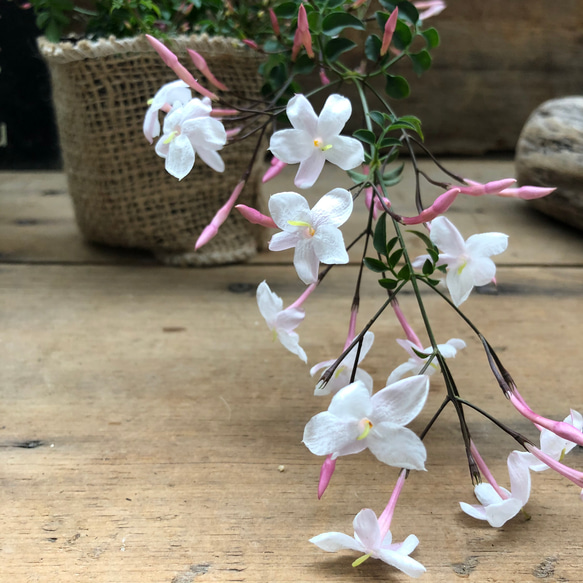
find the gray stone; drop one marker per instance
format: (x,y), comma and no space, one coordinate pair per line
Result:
(550,153)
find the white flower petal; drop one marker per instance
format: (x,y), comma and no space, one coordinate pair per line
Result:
(334,208)
(325,433)
(290,318)
(346,153)
(352,402)
(282,241)
(397,446)
(498,514)
(459,283)
(404,563)
(289,206)
(291,341)
(519,477)
(336,541)
(334,115)
(401,370)
(402,401)
(486,244)
(269,303)
(309,170)
(474,510)
(407,546)
(205,133)
(486,494)
(291,146)
(447,238)
(481,270)
(306,262)
(301,114)
(367,530)
(329,246)
(180,158)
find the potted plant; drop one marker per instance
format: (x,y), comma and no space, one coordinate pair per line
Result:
(101,83)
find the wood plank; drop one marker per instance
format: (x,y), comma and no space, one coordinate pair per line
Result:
(37,222)
(146,412)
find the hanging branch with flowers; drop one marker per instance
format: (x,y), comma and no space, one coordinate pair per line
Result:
(307,38)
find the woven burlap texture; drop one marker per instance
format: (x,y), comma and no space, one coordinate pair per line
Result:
(121,193)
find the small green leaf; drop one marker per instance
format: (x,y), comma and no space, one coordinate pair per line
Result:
(415,121)
(421,61)
(389,142)
(395,258)
(335,3)
(402,36)
(420,354)
(394,173)
(377,117)
(372,48)
(336,46)
(397,87)
(433,254)
(428,268)
(303,65)
(423,237)
(391,244)
(357,177)
(375,265)
(286,10)
(401,125)
(431,37)
(365,136)
(380,236)
(433,282)
(404,273)
(336,22)
(388,283)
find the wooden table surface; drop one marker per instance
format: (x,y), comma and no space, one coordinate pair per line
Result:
(151,430)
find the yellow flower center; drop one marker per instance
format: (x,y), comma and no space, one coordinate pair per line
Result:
(319,143)
(310,231)
(361,560)
(367,424)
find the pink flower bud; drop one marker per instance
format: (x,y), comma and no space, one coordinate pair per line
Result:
(251,43)
(213,227)
(302,36)
(201,65)
(440,206)
(478,189)
(526,192)
(575,476)
(255,217)
(390,26)
(171,60)
(274,23)
(326,472)
(276,167)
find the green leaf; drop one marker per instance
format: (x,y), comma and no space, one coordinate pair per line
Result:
(377,117)
(414,121)
(421,61)
(395,258)
(375,265)
(286,10)
(380,236)
(303,65)
(402,36)
(372,48)
(357,177)
(365,136)
(433,282)
(397,87)
(389,142)
(404,273)
(394,173)
(433,254)
(431,37)
(401,125)
(420,354)
(391,244)
(336,46)
(389,284)
(428,268)
(336,22)
(335,3)
(423,237)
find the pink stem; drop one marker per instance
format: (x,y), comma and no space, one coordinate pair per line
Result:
(304,296)
(409,332)
(569,473)
(387,515)
(351,327)
(485,470)
(202,66)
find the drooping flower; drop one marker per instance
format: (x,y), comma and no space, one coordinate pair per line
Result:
(498,505)
(189,130)
(468,262)
(302,37)
(356,421)
(552,445)
(281,322)
(368,539)
(313,139)
(342,374)
(416,363)
(314,233)
(176,92)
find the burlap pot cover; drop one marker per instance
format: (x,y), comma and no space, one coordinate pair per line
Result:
(121,193)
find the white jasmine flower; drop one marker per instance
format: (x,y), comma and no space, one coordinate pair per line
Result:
(498,505)
(552,445)
(368,539)
(416,363)
(313,139)
(355,421)
(468,262)
(170,94)
(314,233)
(343,372)
(281,322)
(189,130)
